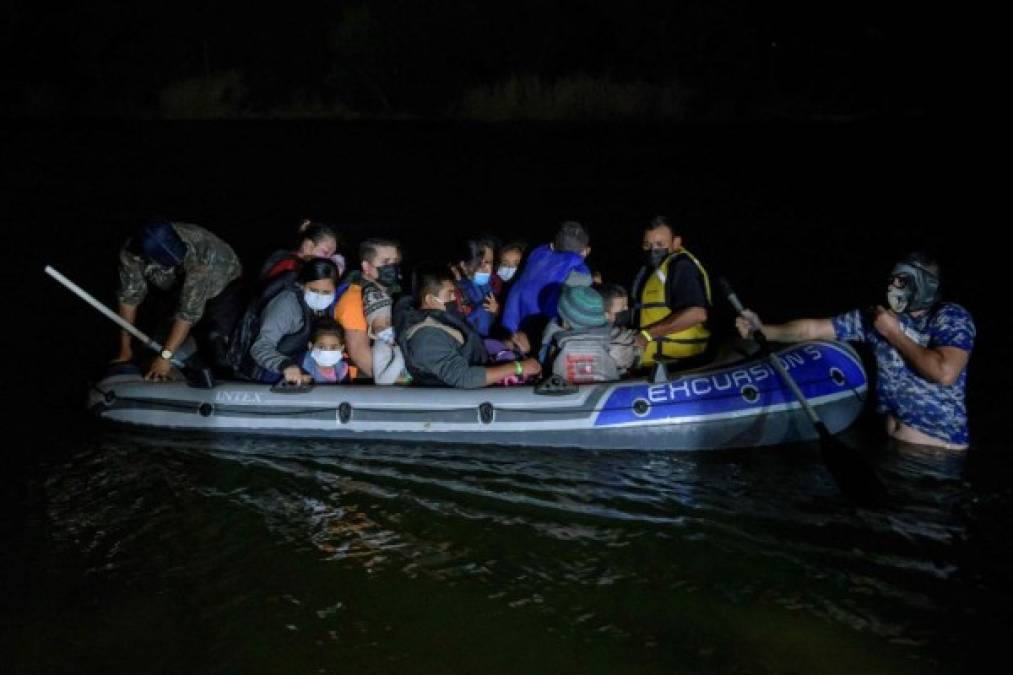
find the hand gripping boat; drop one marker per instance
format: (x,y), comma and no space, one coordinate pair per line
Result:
(741,405)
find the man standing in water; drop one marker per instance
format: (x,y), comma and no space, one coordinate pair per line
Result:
(922,347)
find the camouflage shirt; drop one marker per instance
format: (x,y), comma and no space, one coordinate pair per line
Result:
(208,267)
(934,409)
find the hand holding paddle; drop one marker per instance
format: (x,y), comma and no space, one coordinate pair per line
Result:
(854,477)
(199,376)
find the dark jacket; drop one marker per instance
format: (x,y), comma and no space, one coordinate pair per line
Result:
(470,299)
(440,349)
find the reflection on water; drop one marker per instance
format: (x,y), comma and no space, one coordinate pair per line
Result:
(736,561)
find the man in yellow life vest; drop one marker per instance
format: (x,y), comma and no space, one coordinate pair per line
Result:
(673,296)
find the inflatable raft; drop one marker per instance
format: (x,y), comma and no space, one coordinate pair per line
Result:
(740,405)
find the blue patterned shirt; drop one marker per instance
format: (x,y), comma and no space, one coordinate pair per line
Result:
(934,409)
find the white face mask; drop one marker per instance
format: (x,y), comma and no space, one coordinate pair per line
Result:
(386,335)
(328,358)
(318,301)
(506,273)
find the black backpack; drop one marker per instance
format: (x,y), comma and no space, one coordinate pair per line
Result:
(248,327)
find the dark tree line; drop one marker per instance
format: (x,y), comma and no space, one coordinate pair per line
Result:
(417,57)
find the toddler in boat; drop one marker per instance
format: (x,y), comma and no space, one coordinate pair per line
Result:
(325,360)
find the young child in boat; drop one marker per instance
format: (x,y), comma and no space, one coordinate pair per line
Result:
(576,343)
(325,360)
(622,339)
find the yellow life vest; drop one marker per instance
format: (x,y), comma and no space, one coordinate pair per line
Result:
(654,307)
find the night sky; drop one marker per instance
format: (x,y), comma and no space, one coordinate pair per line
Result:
(419,58)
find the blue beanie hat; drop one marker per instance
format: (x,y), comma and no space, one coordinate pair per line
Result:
(158,241)
(581,307)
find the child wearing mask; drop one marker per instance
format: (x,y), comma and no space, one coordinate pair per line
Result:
(477,286)
(509,262)
(388,360)
(622,340)
(325,360)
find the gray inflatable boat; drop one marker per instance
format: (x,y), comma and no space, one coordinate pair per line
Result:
(739,405)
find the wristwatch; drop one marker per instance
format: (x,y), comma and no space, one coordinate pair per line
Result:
(166,354)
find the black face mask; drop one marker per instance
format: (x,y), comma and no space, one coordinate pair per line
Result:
(622,318)
(388,275)
(653,257)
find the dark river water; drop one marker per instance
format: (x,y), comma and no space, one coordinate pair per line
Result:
(155,552)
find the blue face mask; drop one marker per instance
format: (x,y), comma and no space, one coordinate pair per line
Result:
(506,273)
(481,278)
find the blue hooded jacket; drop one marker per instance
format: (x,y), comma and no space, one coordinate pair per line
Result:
(536,290)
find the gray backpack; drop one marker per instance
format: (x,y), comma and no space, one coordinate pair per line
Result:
(584,356)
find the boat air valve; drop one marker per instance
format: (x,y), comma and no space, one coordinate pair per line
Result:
(750,393)
(344,412)
(485,412)
(206,409)
(837,376)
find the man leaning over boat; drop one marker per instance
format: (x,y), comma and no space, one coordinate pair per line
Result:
(200,269)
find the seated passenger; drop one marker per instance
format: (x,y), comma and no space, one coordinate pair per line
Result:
(285,324)
(477,285)
(388,360)
(316,240)
(577,342)
(441,348)
(324,362)
(622,339)
(510,256)
(672,298)
(531,303)
(369,289)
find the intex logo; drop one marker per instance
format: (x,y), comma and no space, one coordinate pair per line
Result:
(237,397)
